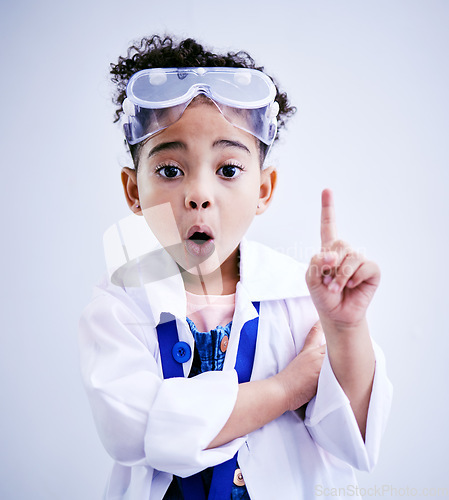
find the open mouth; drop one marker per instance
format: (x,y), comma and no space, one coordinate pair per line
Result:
(199,237)
(200,241)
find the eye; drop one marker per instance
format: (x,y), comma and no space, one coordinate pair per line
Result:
(230,171)
(169,171)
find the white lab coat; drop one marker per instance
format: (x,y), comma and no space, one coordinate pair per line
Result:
(154,428)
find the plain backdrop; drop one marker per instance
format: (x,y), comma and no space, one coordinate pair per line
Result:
(370,80)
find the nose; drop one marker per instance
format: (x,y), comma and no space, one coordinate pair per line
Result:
(194,204)
(198,195)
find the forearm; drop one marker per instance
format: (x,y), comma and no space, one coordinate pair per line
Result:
(351,356)
(262,401)
(257,404)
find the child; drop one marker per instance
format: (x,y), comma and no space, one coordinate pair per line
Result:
(201,353)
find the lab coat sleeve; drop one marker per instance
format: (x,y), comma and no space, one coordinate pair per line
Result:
(329,416)
(141,418)
(332,424)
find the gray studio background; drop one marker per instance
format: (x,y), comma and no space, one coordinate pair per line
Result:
(370,79)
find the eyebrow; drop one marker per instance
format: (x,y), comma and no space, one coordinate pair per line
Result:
(166,146)
(225,143)
(177,145)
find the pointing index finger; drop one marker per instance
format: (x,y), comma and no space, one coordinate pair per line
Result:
(328,222)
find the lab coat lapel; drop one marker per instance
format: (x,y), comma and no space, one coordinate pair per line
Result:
(244,311)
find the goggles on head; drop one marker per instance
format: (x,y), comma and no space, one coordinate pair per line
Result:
(157,98)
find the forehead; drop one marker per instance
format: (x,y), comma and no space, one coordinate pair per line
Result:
(202,123)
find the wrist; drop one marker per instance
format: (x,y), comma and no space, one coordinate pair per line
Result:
(280,383)
(340,328)
(290,399)
(346,341)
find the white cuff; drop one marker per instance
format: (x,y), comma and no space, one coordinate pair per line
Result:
(187,414)
(332,424)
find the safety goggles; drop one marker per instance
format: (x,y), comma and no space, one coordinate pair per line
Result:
(157,97)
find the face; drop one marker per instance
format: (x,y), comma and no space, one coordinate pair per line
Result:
(199,185)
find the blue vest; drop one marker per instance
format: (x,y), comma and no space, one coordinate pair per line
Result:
(173,354)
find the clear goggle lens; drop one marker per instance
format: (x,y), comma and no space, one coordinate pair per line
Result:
(157,97)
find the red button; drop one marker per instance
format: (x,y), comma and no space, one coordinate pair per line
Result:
(224,343)
(238,478)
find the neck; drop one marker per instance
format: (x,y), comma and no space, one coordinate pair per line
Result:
(222,281)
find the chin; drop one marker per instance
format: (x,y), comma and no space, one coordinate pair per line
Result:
(201,266)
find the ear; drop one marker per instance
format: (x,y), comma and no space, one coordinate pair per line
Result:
(129,181)
(268,179)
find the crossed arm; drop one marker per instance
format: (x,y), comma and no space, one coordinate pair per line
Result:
(341,283)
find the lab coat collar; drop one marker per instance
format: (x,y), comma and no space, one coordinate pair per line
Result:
(136,260)
(267,274)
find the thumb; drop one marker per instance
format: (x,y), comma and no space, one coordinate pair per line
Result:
(314,337)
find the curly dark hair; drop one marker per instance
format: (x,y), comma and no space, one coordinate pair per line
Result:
(164,52)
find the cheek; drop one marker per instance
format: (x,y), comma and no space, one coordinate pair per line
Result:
(158,211)
(148,194)
(247,197)
(240,212)
(161,220)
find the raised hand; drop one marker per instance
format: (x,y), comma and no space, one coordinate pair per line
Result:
(341,281)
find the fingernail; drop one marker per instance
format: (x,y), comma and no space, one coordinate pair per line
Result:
(333,287)
(327,279)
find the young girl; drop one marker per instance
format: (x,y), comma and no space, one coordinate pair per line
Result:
(201,353)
